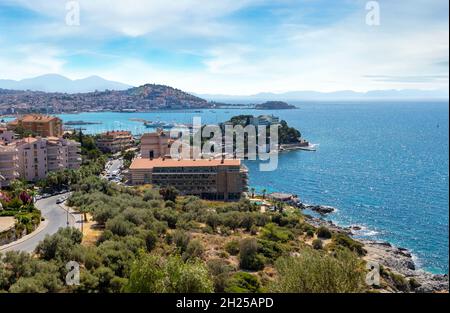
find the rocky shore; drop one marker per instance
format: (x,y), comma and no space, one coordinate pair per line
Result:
(396,259)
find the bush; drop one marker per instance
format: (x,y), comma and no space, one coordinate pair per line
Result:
(317,272)
(181,240)
(119,226)
(150,240)
(242,282)
(232,247)
(347,242)
(310,233)
(323,232)
(60,245)
(194,250)
(153,273)
(317,244)
(220,270)
(269,249)
(276,233)
(169,193)
(151,194)
(249,259)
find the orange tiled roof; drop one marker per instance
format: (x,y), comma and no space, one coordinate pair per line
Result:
(159,162)
(117,133)
(37,118)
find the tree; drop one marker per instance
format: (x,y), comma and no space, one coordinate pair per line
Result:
(169,193)
(153,273)
(249,259)
(316,272)
(264,193)
(60,245)
(17,186)
(252,190)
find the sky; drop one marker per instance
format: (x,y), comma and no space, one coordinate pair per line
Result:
(236,47)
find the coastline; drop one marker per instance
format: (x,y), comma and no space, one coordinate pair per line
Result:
(397,259)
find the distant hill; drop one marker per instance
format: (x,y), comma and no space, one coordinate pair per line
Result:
(144,98)
(373,95)
(59,83)
(274,105)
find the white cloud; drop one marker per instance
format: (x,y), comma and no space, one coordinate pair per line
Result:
(29,60)
(293,55)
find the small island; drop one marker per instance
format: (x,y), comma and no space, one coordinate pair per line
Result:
(289,138)
(275,105)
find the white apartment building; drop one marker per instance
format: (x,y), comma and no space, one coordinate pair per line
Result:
(9,166)
(33,158)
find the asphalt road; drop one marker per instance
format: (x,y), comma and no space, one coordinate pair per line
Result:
(55,216)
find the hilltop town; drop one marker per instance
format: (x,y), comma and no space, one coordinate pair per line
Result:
(144,98)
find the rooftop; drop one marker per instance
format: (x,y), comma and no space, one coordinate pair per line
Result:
(159,162)
(117,133)
(37,118)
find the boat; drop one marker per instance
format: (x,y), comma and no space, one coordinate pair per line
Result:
(158,124)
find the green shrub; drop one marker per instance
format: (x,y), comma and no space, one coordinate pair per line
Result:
(181,240)
(317,272)
(276,233)
(269,249)
(242,282)
(153,273)
(232,247)
(317,244)
(414,284)
(347,242)
(194,250)
(249,259)
(119,226)
(310,233)
(220,270)
(323,232)
(150,240)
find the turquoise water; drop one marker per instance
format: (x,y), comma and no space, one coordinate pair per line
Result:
(383,165)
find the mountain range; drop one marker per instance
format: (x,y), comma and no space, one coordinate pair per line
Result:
(292,96)
(59,83)
(62,84)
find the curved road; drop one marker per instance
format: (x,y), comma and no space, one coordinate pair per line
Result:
(55,217)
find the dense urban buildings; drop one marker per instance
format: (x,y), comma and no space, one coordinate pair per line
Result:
(38,124)
(32,158)
(215,179)
(115,141)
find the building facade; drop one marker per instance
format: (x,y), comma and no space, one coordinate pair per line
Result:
(6,136)
(33,158)
(115,141)
(215,179)
(9,165)
(155,145)
(38,124)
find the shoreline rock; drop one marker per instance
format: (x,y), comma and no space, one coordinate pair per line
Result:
(397,259)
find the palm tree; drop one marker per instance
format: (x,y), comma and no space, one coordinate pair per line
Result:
(264,193)
(252,190)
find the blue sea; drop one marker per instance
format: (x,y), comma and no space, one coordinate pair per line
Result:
(383,165)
